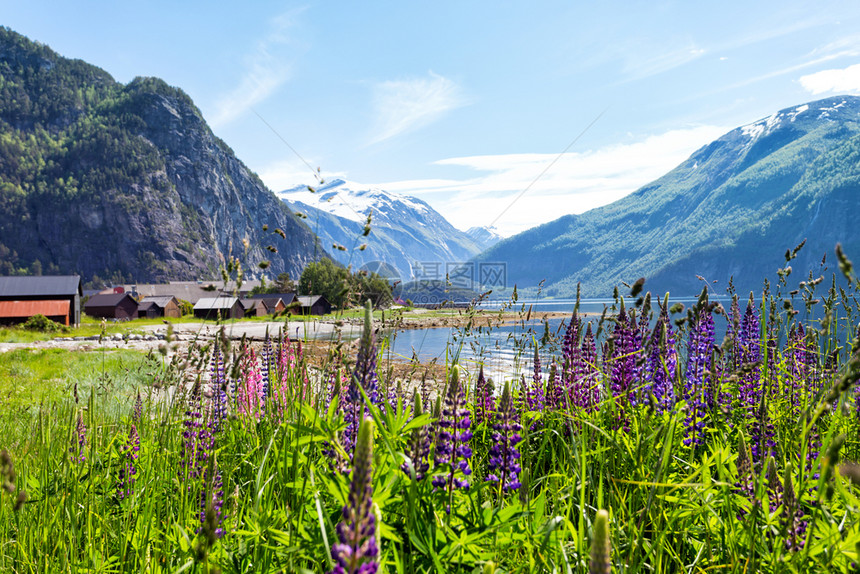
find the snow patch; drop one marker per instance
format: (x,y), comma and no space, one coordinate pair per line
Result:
(353,201)
(797,111)
(761,128)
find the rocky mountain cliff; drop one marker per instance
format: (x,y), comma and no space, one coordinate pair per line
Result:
(405,231)
(729,211)
(125,182)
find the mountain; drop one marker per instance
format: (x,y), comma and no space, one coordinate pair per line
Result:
(405,232)
(124,181)
(731,210)
(485,237)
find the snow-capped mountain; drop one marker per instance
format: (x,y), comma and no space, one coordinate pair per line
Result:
(728,212)
(484,236)
(405,231)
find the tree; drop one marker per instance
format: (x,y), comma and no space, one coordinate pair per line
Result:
(342,288)
(283,284)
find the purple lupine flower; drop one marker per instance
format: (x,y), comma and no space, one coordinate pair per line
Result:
(196,439)
(485,402)
(418,446)
(363,377)
(749,346)
(662,362)
(535,394)
(218,392)
(625,349)
(555,391)
(570,343)
(79,442)
(355,551)
(452,437)
(269,367)
(697,384)
(503,455)
(365,364)
(570,357)
(211,503)
(392,396)
(583,388)
(626,345)
(732,339)
(128,470)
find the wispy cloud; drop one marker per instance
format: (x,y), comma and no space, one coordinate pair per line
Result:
(285,174)
(266,70)
(843,81)
(645,64)
(405,105)
(576,183)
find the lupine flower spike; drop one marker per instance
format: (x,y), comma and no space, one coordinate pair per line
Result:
(363,377)
(138,409)
(485,403)
(419,444)
(128,470)
(211,502)
(356,550)
(79,442)
(503,464)
(452,439)
(535,395)
(601,549)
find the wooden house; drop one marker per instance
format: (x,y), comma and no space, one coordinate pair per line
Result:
(219,307)
(55,296)
(152,307)
(278,302)
(112,306)
(313,305)
(253,307)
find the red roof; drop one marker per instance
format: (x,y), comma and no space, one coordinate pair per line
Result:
(48,308)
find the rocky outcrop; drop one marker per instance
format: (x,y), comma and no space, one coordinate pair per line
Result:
(125,182)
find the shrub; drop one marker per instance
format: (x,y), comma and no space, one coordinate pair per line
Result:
(42,324)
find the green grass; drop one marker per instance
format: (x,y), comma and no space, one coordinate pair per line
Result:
(285,470)
(32,376)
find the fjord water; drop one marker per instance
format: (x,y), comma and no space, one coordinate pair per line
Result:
(507,350)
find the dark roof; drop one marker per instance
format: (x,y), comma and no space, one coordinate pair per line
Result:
(286,297)
(29,285)
(107,299)
(161,301)
(309,300)
(248,303)
(144,305)
(215,303)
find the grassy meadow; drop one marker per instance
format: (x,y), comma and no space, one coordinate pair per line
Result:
(637,443)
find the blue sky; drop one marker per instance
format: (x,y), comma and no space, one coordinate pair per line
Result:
(466,104)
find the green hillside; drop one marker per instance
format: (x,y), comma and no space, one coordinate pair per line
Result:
(730,210)
(124,181)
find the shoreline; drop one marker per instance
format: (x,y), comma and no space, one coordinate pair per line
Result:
(317,337)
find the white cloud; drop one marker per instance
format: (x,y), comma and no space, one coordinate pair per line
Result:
(266,70)
(843,81)
(284,174)
(405,105)
(576,183)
